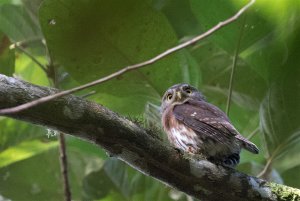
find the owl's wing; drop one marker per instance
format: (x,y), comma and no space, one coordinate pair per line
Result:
(208,120)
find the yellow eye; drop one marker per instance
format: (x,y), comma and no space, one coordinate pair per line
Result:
(169,96)
(188,91)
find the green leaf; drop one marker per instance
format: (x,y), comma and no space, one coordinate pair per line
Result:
(216,67)
(242,100)
(254,169)
(7,56)
(279,113)
(111,177)
(37,178)
(273,52)
(116,179)
(96,185)
(291,177)
(78,145)
(103,37)
(24,151)
(180,16)
(267,56)
(290,160)
(13,132)
(16,2)
(17,24)
(251,25)
(28,70)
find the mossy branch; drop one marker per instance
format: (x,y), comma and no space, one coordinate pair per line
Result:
(125,140)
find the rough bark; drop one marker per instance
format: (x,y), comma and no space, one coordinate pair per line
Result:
(127,141)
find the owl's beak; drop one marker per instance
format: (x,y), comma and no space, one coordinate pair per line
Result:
(178,94)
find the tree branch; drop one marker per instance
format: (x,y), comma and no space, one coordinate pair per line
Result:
(132,144)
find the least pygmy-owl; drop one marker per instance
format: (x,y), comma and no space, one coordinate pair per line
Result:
(198,127)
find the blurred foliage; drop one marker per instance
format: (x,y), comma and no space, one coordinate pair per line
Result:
(89,39)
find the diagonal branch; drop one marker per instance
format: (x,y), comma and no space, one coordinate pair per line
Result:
(32,103)
(128,142)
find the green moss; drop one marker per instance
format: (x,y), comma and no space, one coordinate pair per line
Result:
(285,193)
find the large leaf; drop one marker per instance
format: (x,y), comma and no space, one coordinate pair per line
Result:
(92,39)
(273,52)
(16,2)
(250,28)
(28,70)
(216,65)
(116,179)
(77,145)
(291,177)
(281,109)
(20,24)
(24,151)
(37,178)
(13,132)
(180,16)
(280,120)
(17,24)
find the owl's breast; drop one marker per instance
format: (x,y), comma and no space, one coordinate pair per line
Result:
(181,136)
(188,140)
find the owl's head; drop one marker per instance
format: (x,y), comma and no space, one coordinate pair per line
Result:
(179,94)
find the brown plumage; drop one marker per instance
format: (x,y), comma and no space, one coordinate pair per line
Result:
(198,127)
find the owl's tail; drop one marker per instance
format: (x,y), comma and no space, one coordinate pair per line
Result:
(246,144)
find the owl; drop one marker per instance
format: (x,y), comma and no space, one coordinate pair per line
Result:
(197,127)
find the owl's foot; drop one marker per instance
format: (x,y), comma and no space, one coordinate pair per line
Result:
(228,161)
(183,154)
(231,160)
(193,156)
(179,153)
(199,157)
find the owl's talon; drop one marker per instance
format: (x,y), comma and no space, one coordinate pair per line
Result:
(179,151)
(186,155)
(183,154)
(199,157)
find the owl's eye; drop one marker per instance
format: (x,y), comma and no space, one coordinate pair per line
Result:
(188,90)
(169,96)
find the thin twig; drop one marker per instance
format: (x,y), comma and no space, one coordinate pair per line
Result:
(28,41)
(274,156)
(62,144)
(235,58)
(265,170)
(17,46)
(130,67)
(64,166)
(88,94)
